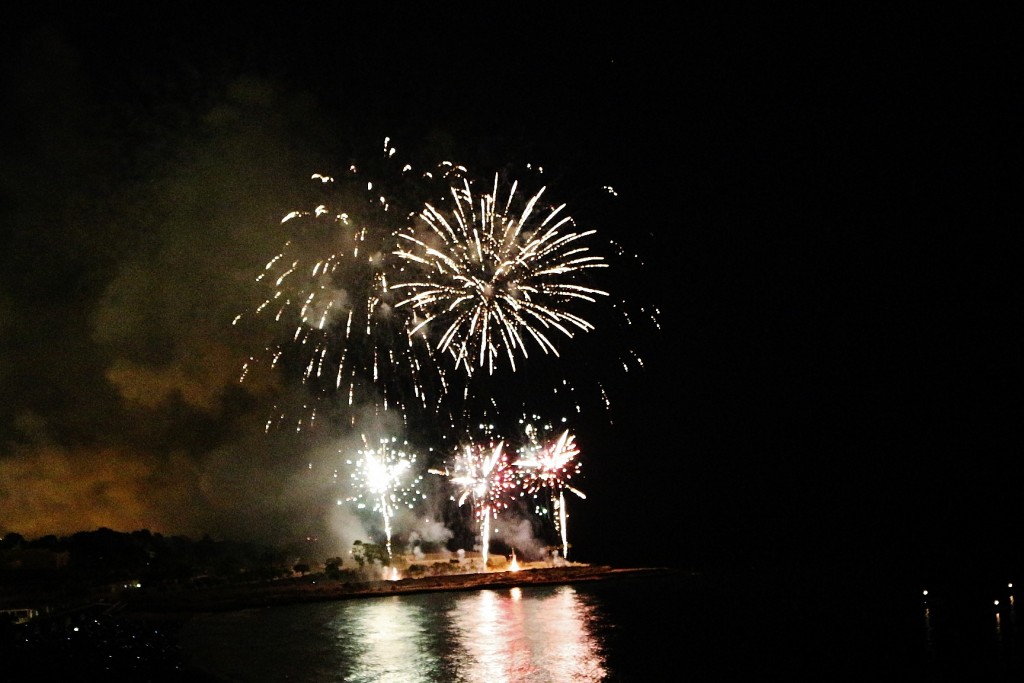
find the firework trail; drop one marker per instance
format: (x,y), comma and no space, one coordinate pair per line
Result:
(549,466)
(481,474)
(494,273)
(384,478)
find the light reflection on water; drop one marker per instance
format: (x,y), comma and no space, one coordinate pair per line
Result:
(503,638)
(622,630)
(381,639)
(499,636)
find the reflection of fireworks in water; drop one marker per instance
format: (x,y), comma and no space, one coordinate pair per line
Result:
(378,475)
(491,272)
(481,474)
(549,466)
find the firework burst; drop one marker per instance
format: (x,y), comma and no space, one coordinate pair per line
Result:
(400,288)
(421,294)
(493,273)
(548,466)
(481,475)
(384,479)
(328,292)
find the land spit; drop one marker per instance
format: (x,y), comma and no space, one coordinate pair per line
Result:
(227,598)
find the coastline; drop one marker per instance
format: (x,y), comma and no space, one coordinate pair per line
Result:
(184,603)
(137,638)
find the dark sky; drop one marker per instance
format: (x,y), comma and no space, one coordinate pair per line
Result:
(822,203)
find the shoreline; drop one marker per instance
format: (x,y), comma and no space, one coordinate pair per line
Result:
(137,638)
(182,604)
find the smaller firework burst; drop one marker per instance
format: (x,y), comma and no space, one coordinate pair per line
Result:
(383,479)
(326,294)
(548,466)
(482,475)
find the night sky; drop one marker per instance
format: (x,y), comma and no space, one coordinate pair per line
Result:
(822,204)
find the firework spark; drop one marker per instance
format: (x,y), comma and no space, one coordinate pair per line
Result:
(493,273)
(549,467)
(384,479)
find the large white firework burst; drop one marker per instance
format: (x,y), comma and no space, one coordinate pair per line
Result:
(491,274)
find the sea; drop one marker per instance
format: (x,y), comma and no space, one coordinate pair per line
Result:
(681,626)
